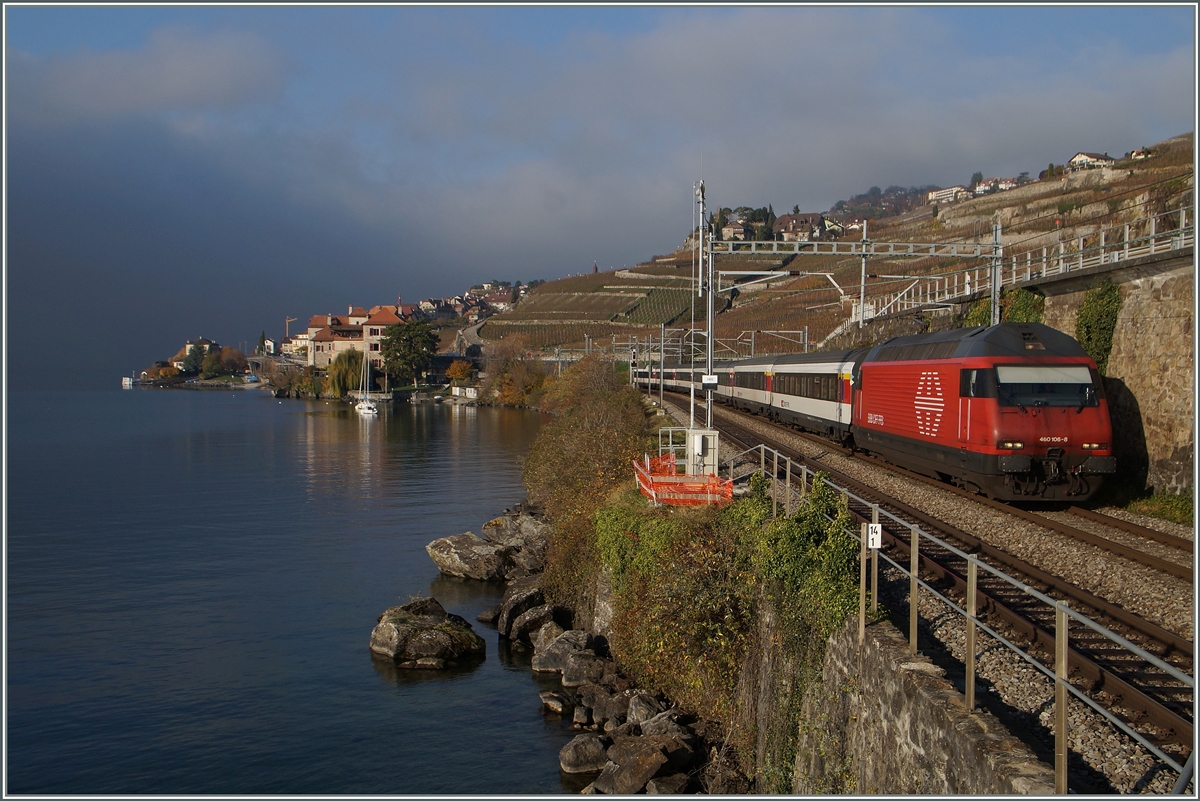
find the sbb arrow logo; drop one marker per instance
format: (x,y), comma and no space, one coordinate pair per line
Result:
(929,403)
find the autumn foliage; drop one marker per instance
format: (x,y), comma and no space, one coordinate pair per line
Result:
(575,464)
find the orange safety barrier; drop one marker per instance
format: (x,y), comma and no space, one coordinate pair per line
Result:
(658,481)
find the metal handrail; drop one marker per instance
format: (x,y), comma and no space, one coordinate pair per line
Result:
(1117,639)
(943,288)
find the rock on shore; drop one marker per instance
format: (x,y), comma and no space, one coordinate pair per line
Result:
(629,736)
(422,634)
(512,546)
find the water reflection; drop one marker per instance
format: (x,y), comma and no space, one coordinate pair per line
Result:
(453,591)
(389,673)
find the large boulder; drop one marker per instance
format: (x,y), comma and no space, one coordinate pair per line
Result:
(556,702)
(526,535)
(469,556)
(584,754)
(671,784)
(422,634)
(584,667)
(679,751)
(546,635)
(642,707)
(529,622)
(665,723)
(551,657)
(632,763)
(521,596)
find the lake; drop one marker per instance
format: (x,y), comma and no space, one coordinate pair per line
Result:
(192,579)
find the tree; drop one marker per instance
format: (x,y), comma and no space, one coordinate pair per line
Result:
(459,370)
(407,349)
(262,343)
(796,209)
(976,180)
(193,360)
(211,365)
(1022,179)
(232,360)
(344,373)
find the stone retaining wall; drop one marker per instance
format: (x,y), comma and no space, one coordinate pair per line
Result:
(885,722)
(1150,380)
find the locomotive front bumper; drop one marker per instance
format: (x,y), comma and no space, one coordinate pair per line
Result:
(1090,465)
(1015,464)
(1099,464)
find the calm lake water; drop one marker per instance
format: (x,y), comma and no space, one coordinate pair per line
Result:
(192,582)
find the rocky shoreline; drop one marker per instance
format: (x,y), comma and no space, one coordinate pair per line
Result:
(633,740)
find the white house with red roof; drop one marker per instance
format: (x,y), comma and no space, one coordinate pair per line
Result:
(374,328)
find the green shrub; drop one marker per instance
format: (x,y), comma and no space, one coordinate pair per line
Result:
(687,584)
(1175,508)
(980,313)
(1096,321)
(1022,306)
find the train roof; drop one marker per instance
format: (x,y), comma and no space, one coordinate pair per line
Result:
(821,356)
(1005,339)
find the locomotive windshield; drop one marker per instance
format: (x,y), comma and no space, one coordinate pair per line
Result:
(1046,385)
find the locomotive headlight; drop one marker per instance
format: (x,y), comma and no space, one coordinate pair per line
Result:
(1095,446)
(1010,444)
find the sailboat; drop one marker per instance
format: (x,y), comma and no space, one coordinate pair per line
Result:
(365,405)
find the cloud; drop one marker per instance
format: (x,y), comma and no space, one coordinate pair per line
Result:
(176,69)
(358,160)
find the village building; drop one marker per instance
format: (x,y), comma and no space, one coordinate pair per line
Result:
(1089,161)
(951,194)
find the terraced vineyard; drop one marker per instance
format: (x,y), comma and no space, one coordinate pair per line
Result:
(562,306)
(637,300)
(660,306)
(534,336)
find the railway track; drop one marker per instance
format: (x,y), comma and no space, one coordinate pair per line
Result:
(1144,696)
(1173,567)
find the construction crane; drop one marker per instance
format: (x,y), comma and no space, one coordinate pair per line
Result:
(287,320)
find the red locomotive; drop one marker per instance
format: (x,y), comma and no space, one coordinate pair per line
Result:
(1016,411)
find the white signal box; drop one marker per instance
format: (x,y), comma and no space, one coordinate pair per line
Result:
(707,381)
(701,452)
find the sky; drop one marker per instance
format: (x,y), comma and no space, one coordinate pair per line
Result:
(182,171)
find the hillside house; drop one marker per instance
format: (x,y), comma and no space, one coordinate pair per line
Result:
(733,231)
(994,185)
(798,228)
(1089,161)
(951,194)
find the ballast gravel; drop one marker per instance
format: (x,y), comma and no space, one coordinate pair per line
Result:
(1160,598)
(1103,758)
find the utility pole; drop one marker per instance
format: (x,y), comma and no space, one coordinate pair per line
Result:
(662,360)
(862,287)
(997,256)
(710,310)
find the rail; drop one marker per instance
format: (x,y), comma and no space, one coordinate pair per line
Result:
(771,459)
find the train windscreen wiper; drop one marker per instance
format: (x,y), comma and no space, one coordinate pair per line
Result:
(1011,399)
